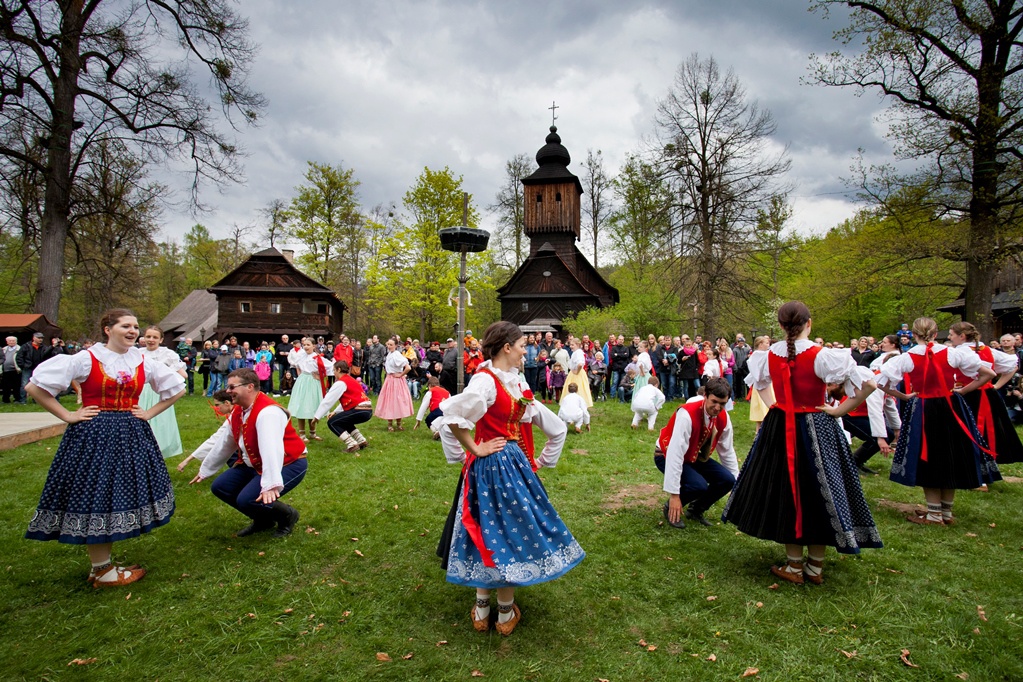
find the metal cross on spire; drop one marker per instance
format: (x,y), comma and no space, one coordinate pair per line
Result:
(553,107)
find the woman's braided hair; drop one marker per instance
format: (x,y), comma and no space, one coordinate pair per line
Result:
(793,317)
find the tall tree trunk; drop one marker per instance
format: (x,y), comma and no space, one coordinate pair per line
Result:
(57,195)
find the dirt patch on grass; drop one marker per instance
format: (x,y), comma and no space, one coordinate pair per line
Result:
(647,495)
(1012,479)
(901,507)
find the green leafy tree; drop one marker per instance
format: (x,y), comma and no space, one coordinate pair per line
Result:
(326,218)
(205,260)
(412,275)
(953,72)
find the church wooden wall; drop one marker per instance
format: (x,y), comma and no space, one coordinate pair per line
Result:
(549,214)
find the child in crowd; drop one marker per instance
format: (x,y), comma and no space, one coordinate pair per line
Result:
(237,362)
(287,383)
(556,381)
(265,373)
(222,405)
(542,372)
(646,402)
(573,409)
(628,382)
(430,410)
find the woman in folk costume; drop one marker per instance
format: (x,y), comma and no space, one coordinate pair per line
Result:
(310,387)
(758,407)
(108,481)
(395,401)
(577,373)
(645,365)
(939,447)
(502,532)
(986,403)
(164,425)
(799,485)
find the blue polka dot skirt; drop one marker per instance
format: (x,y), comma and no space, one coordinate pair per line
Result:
(108,482)
(529,541)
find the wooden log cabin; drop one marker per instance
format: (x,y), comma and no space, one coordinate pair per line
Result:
(267,296)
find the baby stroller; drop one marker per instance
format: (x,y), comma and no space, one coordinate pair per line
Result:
(597,379)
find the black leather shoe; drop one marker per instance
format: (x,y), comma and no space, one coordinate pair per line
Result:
(253,528)
(698,517)
(867,470)
(287,517)
(680,524)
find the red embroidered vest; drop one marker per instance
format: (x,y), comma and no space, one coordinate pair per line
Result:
(353,395)
(935,382)
(807,388)
(294,448)
(107,394)
(698,435)
(438,394)
(504,420)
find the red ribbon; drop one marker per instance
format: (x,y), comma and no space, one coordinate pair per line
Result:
(789,407)
(322,369)
(471,525)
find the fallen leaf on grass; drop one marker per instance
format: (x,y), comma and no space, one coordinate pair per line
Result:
(773,587)
(892,570)
(651,648)
(289,610)
(760,604)
(407,656)
(750,672)
(990,525)
(976,631)
(354,539)
(358,553)
(442,642)
(251,615)
(423,533)
(712,658)
(905,659)
(712,598)
(185,575)
(971,535)
(699,576)
(980,613)
(262,554)
(849,654)
(603,679)
(477,673)
(82,661)
(346,614)
(579,452)
(310,529)
(127,596)
(381,656)
(642,642)
(963,675)
(395,507)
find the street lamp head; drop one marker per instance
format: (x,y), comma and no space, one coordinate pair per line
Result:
(468,239)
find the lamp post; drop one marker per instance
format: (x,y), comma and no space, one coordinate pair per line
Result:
(462,240)
(202,334)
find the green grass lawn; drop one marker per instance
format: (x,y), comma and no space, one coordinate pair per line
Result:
(359,578)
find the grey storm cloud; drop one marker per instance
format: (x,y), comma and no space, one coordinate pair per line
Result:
(390,88)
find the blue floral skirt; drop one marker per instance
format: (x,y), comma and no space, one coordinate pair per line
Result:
(108,482)
(834,510)
(953,458)
(528,540)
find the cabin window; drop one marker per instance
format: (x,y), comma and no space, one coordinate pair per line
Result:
(275,308)
(322,309)
(525,307)
(315,307)
(539,198)
(557,196)
(245,306)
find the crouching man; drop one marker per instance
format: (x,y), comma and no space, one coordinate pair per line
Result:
(272,462)
(690,475)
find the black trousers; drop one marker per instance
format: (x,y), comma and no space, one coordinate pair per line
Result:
(346,420)
(859,427)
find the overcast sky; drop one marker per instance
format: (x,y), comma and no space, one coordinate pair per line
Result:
(386,88)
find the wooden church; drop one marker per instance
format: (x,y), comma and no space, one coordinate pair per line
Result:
(556,280)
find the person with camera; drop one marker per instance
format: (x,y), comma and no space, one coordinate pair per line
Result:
(668,369)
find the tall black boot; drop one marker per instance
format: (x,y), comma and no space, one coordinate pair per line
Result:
(286,517)
(861,456)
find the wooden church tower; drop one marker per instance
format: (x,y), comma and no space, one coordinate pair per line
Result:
(556,280)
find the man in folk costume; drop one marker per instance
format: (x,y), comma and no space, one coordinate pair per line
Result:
(356,408)
(690,475)
(875,422)
(272,463)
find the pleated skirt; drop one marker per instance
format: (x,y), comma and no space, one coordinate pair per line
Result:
(107,482)
(834,511)
(529,542)
(1006,443)
(395,401)
(954,458)
(164,425)
(306,396)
